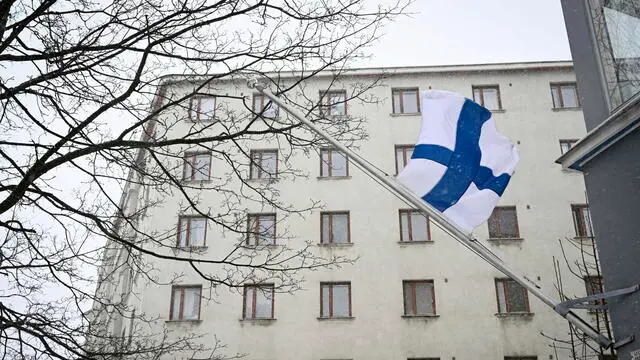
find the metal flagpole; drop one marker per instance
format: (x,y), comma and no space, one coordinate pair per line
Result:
(437,216)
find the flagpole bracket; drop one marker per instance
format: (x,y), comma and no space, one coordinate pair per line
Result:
(624,341)
(587,302)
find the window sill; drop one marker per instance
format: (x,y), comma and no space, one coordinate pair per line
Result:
(434,316)
(583,238)
(263,180)
(191,248)
(258,247)
(404,114)
(578,108)
(571,171)
(335,245)
(514,314)
(334,177)
(498,111)
(416,242)
(193,322)
(335,318)
(259,321)
(193,182)
(505,240)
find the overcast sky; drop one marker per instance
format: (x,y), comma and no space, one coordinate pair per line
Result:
(474,31)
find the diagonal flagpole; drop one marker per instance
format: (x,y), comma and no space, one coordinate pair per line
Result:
(460,235)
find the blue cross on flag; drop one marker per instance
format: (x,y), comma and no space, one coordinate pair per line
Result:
(460,165)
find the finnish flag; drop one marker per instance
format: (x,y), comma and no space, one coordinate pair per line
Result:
(460,165)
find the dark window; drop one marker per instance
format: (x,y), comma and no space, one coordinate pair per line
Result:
(192,231)
(185,302)
(512,297)
(258,301)
(419,297)
(333,163)
(414,226)
(403,155)
(335,300)
(566,145)
(264,164)
(593,286)
(334,228)
(406,101)
(503,223)
(488,96)
(261,229)
(333,103)
(264,106)
(196,166)
(202,108)
(582,220)
(565,95)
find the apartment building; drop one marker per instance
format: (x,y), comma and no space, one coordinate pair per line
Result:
(411,291)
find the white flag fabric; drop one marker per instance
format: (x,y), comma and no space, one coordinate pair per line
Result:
(460,165)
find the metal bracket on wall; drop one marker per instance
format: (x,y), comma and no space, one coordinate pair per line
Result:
(587,301)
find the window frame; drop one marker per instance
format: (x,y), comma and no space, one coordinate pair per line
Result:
(331,284)
(253,309)
(198,98)
(332,213)
(506,298)
(262,98)
(481,100)
(400,91)
(187,238)
(587,228)
(181,310)
(255,235)
(559,86)
(411,213)
(192,155)
(330,151)
(259,167)
(413,284)
(326,94)
(570,142)
(524,357)
(404,149)
(517,226)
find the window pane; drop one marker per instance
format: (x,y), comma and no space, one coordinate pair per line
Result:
(396,102)
(494,226)
(257,103)
(269,163)
(340,228)
(191,303)
(490,96)
(586,215)
(187,169)
(508,227)
(326,223)
(400,159)
(555,94)
(477,96)
(324,171)
(248,302)
(338,164)
(207,108)
(418,227)
(410,102)
(271,109)
(196,232)
(569,96)
(564,146)
(263,302)
(516,296)
(340,300)
(337,104)
(182,236)
(175,305)
(267,230)
(424,298)
(404,226)
(202,167)
(502,303)
(408,298)
(325,301)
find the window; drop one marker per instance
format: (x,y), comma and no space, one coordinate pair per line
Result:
(414,226)
(333,103)
(564,96)
(405,101)
(202,108)
(264,164)
(593,286)
(258,301)
(582,220)
(566,145)
(185,303)
(263,105)
(503,223)
(196,166)
(261,229)
(333,163)
(403,155)
(335,300)
(192,231)
(512,297)
(419,297)
(488,96)
(334,228)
